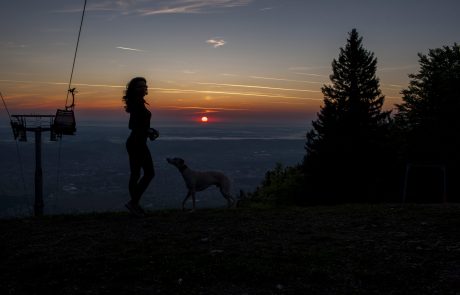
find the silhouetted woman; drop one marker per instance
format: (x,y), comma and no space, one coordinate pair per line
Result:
(139,154)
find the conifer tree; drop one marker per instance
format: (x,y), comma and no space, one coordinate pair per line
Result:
(428,115)
(345,145)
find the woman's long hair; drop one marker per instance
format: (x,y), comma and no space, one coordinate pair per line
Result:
(130,98)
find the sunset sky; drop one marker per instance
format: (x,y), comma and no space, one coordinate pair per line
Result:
(234,61)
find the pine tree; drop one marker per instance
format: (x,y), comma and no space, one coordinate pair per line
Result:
(428,116)
(344,145)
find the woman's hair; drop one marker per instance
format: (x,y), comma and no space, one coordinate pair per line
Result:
(130,98)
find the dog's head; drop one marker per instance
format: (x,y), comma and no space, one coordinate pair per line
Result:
(178,162)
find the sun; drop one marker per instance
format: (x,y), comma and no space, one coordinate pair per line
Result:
(204,119)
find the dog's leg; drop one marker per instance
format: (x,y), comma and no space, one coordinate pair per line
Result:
(185,200)
(231,202)
(193,200)
(228,197)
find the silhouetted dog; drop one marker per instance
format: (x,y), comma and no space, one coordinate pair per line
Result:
(197,181)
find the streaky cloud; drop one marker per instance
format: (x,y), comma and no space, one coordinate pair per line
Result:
(61,83)
(12,45)
(208,110)
(399,68)
(148,8)
(169,90)
(307,68)
(282,79)
(288,102)
(182,91)
(130,49)
(192,6)
(257,87)
(216,42)
(309,74)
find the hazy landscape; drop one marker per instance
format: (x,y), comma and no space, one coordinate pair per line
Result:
(93,170)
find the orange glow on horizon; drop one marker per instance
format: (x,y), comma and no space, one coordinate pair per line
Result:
(190,103)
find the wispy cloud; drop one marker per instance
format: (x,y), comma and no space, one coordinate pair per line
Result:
(180,90)
(258,87)
(192,6)
(61,83)
(130,49)
(148,7)
(216,42)
(254,94)
(398,68)
(308,68)
(208,110)
(286,80)
(311,71)
(310,74)
(12,45)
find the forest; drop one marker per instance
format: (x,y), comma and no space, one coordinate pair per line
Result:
(356,152)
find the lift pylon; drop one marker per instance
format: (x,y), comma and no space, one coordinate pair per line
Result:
(21,124)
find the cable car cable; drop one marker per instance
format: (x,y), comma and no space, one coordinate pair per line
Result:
(21,166)
(74,58)
(66,113)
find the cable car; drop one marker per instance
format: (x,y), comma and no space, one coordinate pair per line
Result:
(19,128)
(64,121)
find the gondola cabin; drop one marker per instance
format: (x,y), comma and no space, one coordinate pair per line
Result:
(64,122)
(19,129)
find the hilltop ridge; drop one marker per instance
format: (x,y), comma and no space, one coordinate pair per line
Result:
(349,249)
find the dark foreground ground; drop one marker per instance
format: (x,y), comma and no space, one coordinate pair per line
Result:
(361,249)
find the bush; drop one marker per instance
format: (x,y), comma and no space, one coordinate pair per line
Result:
(281,186)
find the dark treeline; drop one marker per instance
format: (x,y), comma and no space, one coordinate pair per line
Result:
(357,152)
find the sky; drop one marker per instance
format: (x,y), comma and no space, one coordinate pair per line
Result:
(234,61)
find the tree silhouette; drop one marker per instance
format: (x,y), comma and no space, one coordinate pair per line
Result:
(345,146)
(428,116)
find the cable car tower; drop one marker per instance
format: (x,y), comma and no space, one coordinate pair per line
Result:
(62,123)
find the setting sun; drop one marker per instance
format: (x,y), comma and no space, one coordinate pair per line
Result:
(204,119)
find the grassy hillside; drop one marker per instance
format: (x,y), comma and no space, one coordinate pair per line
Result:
(355,249)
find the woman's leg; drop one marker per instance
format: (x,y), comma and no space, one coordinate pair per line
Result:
(149,172)
(135,167)
(139,157)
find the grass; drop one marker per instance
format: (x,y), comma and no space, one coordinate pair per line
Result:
(350,249)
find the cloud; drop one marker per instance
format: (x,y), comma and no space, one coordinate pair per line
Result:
(130,49)
(228,75)
(281,79)
(258,87)
(192,6)
(216,42)
(398,68)
(148,7)
(307,71)
(184,91)
(12,45)
(208,110)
